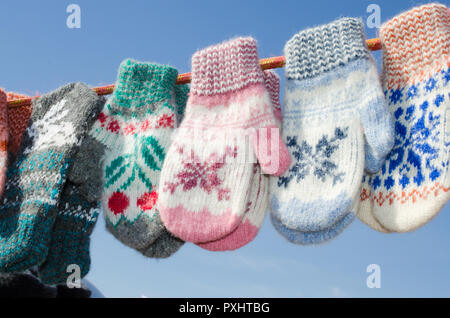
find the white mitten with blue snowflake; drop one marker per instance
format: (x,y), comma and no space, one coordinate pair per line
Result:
(335,123)
(414,183)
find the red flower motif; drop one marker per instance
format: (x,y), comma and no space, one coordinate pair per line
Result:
(165,121)
(114,126)
(147,200)
(145,125)
(102,117)
(118,202)
(129,129)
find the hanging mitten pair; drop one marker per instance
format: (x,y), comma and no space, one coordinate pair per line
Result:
(47,212)
(135,127)
(212,191)
(335,124)
(258,192)
(413,184)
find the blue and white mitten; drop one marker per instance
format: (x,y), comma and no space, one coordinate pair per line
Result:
(335,123)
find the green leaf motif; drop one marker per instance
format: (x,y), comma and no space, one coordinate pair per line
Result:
(149,159)
(116,177)
(144,179)
(115,164)
(127,183)
(153,155)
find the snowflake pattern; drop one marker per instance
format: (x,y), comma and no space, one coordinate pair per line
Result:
(203,174)
(316,160)
(414,157)
(112,124)
(52,130)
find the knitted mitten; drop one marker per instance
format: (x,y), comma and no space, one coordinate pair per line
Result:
(258,193)
(332,91)
(135,126)
(78,210)
(205,178)
(24,285)
(18,117)
(167,244)
(3,139)
(37,176)
(413,184)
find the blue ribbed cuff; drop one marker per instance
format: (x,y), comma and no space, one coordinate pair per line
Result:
(317,50)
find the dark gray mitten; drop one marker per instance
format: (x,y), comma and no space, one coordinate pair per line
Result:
(78,211)
(59,122)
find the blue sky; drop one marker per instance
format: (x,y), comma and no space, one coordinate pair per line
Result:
(39,54)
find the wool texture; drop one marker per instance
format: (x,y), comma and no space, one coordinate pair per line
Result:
(334,104)
(258,192)
(18,117)
(38,175)
(413,184)
(4,136)
(204,180)
(78,211)
(365,210)
(313,237)
(136,126)
(167,244)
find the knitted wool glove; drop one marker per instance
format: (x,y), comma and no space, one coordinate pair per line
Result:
(135,126)
(3,139)
(413,184)
(78,210)
(257,194)
(167,244)
(332,91)
(205,178)
(37,176)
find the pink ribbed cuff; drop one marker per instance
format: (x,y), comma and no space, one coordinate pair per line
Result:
(416,44)
(226,67)
(272,82)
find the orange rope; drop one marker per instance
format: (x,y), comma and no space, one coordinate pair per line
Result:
(267,63)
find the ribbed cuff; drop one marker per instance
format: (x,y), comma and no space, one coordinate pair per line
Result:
(226,67)
(140,84)
(272,83)
(317,50)
(416,44)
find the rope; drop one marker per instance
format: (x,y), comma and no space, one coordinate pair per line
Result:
(266,63)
